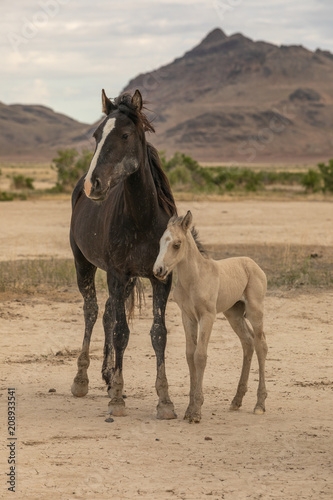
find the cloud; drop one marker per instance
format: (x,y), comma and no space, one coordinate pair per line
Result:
(75,48)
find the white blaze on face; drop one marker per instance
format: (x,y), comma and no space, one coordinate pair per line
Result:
(164,245)
(108,127)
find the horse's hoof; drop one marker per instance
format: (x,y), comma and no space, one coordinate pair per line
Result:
(79,390)
(117,410)
(166,412)
(259,410)
(234,407)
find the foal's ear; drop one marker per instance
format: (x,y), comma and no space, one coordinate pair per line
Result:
(137,100)
(172,220)
(107,105)
(187,221)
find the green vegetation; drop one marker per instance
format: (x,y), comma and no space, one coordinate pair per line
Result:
(185,175)
(70,167)
(22,182)
(327,175)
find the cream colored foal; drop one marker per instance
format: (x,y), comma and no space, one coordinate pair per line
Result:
(205,287)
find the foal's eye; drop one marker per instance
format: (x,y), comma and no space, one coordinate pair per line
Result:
(176,246)
(125,136)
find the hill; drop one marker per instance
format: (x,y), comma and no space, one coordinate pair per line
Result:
(231,98)
(36,132)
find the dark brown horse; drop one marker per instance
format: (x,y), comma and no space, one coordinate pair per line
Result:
(120,210)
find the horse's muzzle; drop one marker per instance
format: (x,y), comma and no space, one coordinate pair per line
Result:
(95,191)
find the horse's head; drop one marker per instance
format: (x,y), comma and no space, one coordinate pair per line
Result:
(119,140)
(172,245)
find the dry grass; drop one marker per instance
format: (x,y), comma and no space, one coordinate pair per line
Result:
(286,266)
(290,266)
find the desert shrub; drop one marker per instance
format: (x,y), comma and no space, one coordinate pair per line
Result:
(327,175)
(185,173)
(4,196)
(22,182)
(311,180)
(70,166)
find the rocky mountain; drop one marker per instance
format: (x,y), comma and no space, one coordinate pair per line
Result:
(233,99)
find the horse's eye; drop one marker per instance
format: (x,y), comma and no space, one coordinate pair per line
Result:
(125,136)
(176,246)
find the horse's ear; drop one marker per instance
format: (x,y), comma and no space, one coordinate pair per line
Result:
(187,221)
(137,100)
(107,105)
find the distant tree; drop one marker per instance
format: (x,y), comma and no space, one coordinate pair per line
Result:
(327,175)
(311,180)
(70,166)
(22,182)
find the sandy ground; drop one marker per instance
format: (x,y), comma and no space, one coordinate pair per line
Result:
(65,449)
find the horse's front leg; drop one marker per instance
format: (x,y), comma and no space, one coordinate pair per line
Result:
(120,336)
(191,334)
(200,360)
(86,283)
(158,332)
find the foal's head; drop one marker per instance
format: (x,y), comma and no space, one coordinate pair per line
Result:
(120,141)
(172,245)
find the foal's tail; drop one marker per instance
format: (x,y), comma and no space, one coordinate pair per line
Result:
(135,290)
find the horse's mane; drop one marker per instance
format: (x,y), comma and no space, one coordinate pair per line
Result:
(165,197)
(125,105)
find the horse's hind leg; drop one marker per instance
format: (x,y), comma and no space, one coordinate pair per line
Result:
(158,332)
(85,273)
(254,313)
(235,316)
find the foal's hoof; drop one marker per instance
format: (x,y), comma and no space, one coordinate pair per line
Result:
(192,417)
(234,406)
(166,412)
(117,409)
(79,389)
(259,410)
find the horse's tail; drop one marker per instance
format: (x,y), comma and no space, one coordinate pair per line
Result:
(136,295)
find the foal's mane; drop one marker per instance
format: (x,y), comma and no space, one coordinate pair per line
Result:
(165,197)
(200,247)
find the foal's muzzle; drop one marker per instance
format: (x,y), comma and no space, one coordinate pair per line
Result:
(160,272)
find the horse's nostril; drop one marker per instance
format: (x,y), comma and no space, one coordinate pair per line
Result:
(158,271)
(97,184)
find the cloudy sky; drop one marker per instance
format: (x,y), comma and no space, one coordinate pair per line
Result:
(60,53)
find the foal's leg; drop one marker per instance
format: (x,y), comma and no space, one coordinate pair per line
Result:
(85,273)
(120,336)
(158,332)
(235,316)
(254,313)
(191,334)
(200,359)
